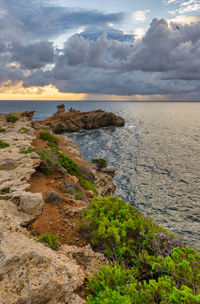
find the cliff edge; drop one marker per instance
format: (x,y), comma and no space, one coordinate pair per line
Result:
(39,194)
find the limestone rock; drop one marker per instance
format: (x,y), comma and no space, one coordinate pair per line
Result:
(85,256)
(34,274)
(30,203)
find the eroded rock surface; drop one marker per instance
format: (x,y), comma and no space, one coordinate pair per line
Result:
(31,273)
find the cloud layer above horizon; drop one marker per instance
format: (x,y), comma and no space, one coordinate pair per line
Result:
(89,51)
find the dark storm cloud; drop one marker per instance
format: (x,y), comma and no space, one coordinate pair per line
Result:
(33,56)
(101,59)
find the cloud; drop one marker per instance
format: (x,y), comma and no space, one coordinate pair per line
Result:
(32,20)
(139,16)
(184,6)
(100,59)
(34,55)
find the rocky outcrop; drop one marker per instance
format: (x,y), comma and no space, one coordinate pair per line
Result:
(31,273)
(76,120)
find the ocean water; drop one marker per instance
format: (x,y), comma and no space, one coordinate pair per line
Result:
(156,155)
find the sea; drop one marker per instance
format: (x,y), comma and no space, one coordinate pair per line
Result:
(156,156)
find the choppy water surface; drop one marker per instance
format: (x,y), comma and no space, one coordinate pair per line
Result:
(157,159)
(156,156)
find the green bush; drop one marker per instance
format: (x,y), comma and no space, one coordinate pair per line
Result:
(115,284)
(50,161)
(12,118)
(87,185)
(2,130)
(50,240)
(148,264)
(119,229)
(100,162)
(3,144)
(51,139)
(67,163)
(27,150)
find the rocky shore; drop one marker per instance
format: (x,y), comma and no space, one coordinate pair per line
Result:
(33,203)
(75,120)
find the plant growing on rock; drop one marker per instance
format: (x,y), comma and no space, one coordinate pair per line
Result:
(12,118)
(25,130)
(100,162)
(74,189)
(5,190)
(67,163)
(27,150)
(51,139)
(3,144)
(50,240)
(87,185)
(2,130)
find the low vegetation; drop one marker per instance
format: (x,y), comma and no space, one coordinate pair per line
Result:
(51,139)
(27,150)
(2,130)
(25,130)
(3,144)
(12,118)
(50,240)
(147,263)
(100,162)
(5,190)
(87,185)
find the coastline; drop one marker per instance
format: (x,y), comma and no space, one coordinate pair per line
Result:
(30,198)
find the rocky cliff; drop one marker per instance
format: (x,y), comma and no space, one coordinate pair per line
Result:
(75,120)
(32,203)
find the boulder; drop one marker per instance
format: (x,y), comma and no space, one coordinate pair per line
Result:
(29,203)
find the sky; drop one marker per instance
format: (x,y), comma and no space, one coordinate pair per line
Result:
(100,50)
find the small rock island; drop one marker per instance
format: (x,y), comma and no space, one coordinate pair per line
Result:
(75,120)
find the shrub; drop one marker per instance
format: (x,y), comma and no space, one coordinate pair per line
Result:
(74,189)
(119,229)
(5,190)
(2,130)
(148,266)
(49,161)
(5,197)
(27,150)
(68,164)
(51,139)
(12,118)
(25,130)
(50,240)
(86,173)
(114,284)
(3,144)
(100,162)
(87,185)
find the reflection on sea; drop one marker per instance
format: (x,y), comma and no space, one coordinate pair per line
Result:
(157,159)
